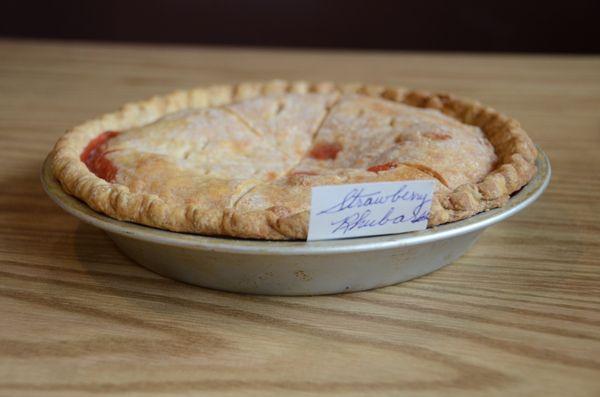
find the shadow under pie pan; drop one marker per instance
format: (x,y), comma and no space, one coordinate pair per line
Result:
(297,267)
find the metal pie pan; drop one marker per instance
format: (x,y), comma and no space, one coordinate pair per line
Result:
(297,267)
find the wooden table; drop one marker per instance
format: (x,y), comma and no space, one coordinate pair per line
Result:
(518,315)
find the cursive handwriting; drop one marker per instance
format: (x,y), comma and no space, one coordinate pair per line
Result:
(365,218)
(369,209)
(357,198)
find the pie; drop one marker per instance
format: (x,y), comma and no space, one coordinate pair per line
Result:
(240,160)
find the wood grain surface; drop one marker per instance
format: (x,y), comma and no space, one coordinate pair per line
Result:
(518,315)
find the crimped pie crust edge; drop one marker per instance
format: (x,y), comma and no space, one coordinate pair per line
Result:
(515,150)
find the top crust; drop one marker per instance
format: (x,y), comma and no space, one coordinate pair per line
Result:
(241,160)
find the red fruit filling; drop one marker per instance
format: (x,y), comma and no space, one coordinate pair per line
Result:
(382,167)
(94,156)
(325,151)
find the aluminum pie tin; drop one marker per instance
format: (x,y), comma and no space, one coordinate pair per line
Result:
(297,267)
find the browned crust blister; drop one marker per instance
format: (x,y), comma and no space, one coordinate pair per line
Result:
(515,150)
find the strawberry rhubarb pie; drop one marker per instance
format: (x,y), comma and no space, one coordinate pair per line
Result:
(241,160)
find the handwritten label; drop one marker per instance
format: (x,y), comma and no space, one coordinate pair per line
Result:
(369,209)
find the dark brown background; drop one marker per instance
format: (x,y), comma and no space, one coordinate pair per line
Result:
(517,26)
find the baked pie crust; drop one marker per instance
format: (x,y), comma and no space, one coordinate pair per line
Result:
(240,160)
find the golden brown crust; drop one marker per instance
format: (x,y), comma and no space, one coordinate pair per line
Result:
(513,147)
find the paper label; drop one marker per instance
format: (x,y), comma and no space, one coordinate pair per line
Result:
(369,209)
